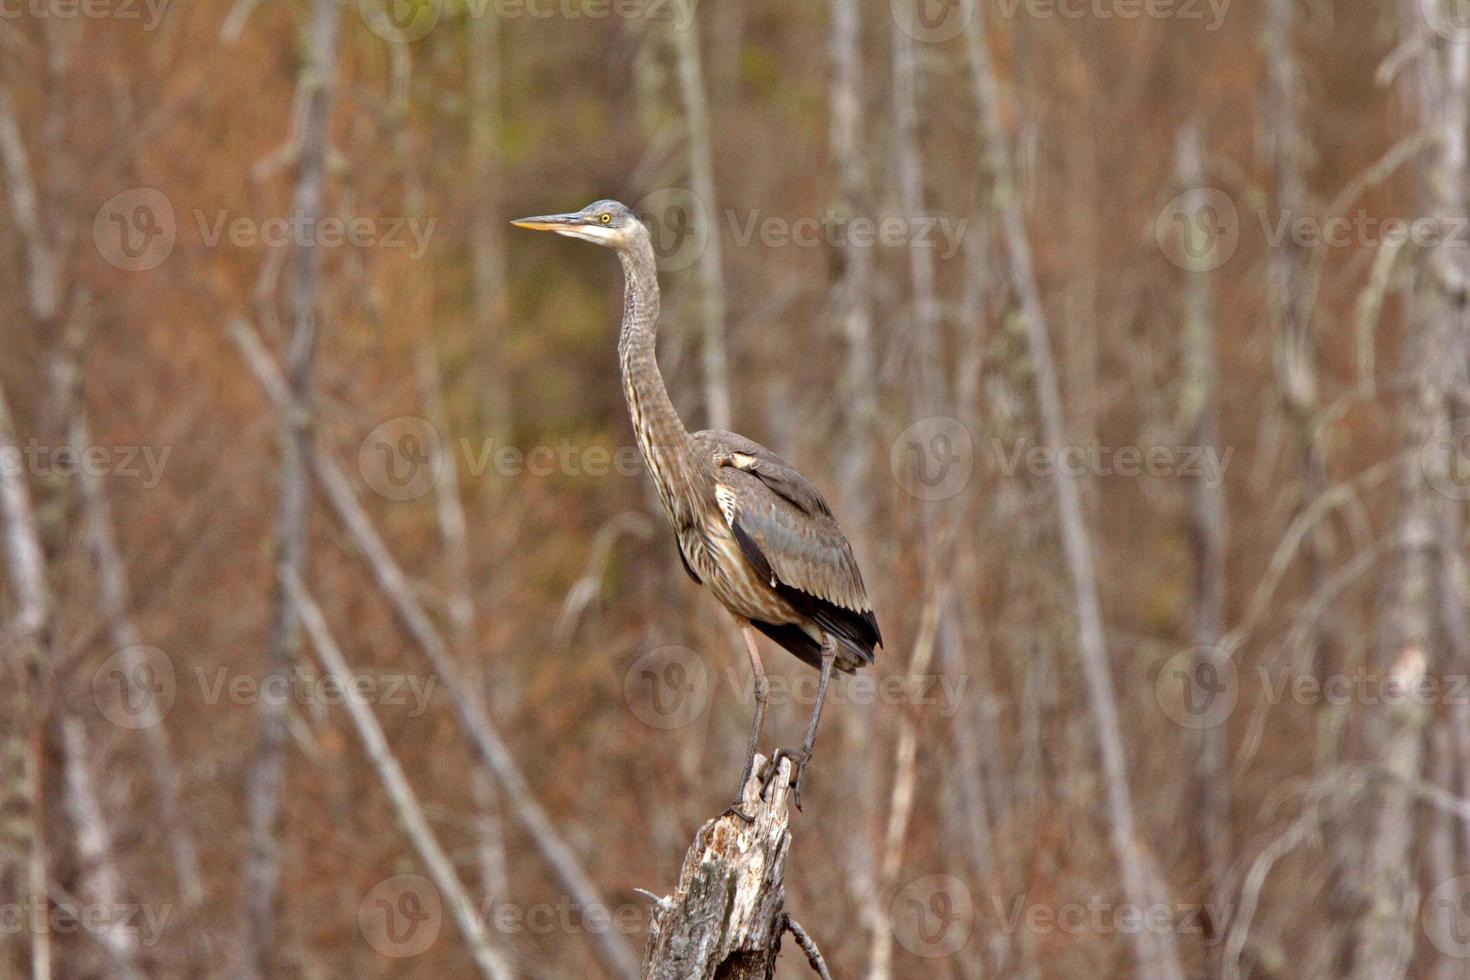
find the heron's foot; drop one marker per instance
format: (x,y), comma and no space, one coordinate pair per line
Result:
(733,810)
(799,759)
(724,459)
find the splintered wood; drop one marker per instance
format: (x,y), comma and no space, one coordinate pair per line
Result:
(727,913)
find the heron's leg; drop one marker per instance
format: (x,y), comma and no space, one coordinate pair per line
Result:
(829,656)
(762,690)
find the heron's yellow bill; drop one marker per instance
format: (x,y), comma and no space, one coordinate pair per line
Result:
(544,222)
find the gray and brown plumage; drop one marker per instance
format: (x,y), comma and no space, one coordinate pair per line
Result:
(749,527)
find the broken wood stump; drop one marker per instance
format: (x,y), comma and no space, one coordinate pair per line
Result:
(727,914)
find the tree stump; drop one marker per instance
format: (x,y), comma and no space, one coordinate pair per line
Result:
(727,914)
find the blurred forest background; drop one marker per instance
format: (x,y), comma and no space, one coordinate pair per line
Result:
(1128,339)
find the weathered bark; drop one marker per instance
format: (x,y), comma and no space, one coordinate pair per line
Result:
(1157,954)
(727,913)
(711,259)
(264,782)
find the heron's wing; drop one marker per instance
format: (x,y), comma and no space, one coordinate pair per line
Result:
(786,530)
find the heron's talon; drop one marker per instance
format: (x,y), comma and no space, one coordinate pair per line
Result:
(733,810)
(798,768)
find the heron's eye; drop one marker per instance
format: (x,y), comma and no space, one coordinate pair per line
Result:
(605,217)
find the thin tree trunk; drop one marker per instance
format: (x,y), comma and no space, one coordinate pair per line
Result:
(489,841)
(853,292)
(492,962)
(115,601)
(1296,362)
(1208,523)
(466,699)
(1157,954)
(28,629)
(1384,939)
(711,259)
(101,883)
(487,254)
(263,791)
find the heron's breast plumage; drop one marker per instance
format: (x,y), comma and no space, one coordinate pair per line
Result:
(712,551)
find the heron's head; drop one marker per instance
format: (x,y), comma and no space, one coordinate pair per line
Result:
(606,223)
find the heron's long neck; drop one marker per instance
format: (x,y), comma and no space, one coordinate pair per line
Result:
(662,438)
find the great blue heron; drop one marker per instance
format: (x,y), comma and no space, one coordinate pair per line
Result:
(749,527)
